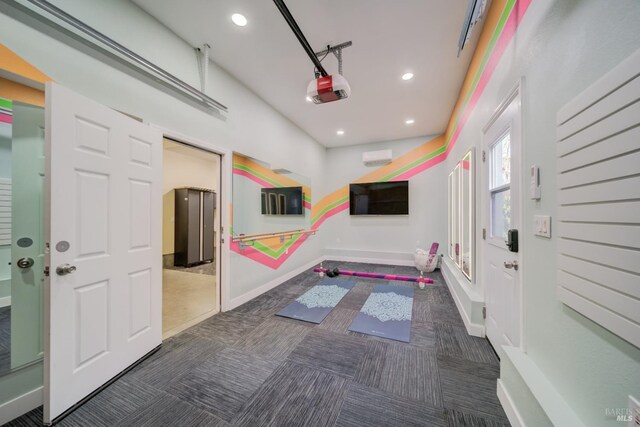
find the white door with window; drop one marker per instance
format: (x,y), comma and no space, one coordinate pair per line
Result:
(104,296)
(501,200)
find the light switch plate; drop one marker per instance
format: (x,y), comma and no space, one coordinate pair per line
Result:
(542,226)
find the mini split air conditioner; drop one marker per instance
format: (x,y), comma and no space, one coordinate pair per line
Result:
(376,158)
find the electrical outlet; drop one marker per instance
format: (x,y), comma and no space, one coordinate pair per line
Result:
(634,412)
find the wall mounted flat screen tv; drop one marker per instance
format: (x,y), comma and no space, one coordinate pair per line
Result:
(282,201)
(379,198)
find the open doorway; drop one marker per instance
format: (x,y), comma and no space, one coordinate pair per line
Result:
(190,228)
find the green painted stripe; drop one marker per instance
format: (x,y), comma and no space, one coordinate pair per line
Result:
(415,163)
(277,184)
(277,253)
(5,103)
(494,38)
(328,208)
(485,58)
(420,160)
(259,175)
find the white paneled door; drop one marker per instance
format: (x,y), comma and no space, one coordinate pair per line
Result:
(104,181)
(501,200)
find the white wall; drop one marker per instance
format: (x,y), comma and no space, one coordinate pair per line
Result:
(380,237)
(252,126)
(561,47)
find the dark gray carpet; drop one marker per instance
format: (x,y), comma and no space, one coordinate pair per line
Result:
(5,340)
(249,367)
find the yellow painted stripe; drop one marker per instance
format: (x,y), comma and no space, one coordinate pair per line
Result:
(268,175)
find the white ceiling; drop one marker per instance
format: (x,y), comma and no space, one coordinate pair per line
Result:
(189,151)
(390,37)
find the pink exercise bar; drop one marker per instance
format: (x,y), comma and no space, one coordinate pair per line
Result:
(378,275)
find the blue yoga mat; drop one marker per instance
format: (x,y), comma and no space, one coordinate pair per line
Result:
(386,313)
(315,304)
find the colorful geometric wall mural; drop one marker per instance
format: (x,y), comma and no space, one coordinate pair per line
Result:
(500,26)
(271,252)
(6,107)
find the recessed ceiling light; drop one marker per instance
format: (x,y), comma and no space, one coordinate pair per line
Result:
(309,99)
(239,19)
(407,76)
(409,121)
(340,132)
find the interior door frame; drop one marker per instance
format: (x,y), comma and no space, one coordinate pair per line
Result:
(516,92)
(226,167)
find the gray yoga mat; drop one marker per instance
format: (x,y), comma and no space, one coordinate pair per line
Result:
(386,313)
(315,304)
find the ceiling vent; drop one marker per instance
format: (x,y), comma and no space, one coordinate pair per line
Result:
(377,158)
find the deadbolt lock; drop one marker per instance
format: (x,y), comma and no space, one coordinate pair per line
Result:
(25,263)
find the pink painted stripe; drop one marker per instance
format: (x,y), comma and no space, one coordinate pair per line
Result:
(6,118)
(264,259)
(253,178)
(420,168)
(510,27)
(329,214)
(262,182)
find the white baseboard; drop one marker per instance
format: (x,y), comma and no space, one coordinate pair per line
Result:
(509,407)
(383,261)
(20,405)
(238,301)
(5,302)
(474,329)
(550,403)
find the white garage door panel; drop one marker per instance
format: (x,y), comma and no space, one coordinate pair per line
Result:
(612,278)
(598,192)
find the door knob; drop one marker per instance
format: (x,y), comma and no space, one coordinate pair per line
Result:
(25,263)
(64,269)
(512,264)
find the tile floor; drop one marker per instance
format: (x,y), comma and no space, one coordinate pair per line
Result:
(186,296)
(248,367)
(204,268)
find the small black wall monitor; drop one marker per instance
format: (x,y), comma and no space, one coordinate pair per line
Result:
(379,198)
(282,201)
